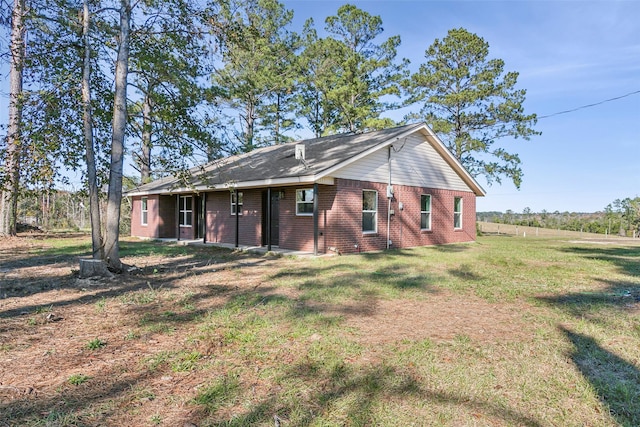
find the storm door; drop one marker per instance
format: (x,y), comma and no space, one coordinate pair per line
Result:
(274,217)
(201,200)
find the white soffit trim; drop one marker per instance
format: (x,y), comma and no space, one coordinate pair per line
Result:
(276,182)
(273,182)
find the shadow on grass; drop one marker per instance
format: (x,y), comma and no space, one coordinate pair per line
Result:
(104,395)
(625,258)
(617,294)
(39,255)
(360,279)
(153,317)
(29,272)
(177,261)
(465,272)
(90,403)
(452,248)
(594,305)
(616,381)
(353,395)
(42,251)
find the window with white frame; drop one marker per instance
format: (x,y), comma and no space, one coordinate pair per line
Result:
(457,212)
(304,202)
(236,205)
(186,211)
(144,210)
(369,211)
(425,212)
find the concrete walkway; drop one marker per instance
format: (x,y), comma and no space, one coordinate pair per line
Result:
(245,248)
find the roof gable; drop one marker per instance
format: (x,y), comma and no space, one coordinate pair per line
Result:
(411,161)
(277,165)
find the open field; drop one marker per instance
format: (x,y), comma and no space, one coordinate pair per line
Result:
(533,232)
(503,332)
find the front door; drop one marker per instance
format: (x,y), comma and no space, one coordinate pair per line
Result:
(200,218)
(275,218)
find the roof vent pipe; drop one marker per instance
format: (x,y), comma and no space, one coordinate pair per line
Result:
(300,152)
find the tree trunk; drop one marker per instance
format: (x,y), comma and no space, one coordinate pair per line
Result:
(112,249)
(11,185)
(87,115)
(93,268)
(250,120)
(277,141)
(145,157)
(317,124)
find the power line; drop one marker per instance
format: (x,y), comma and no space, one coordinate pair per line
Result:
(589,105)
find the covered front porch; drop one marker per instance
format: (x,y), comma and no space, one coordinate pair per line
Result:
(261,218)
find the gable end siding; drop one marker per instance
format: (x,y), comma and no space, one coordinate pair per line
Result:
(414,162)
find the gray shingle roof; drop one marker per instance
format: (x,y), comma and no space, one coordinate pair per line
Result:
(278,161)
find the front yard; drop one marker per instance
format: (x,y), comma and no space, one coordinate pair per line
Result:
(506,331)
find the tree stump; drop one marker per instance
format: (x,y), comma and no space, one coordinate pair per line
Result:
(90,267)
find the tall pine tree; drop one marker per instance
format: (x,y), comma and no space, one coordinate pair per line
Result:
(169,70)
(255,75)
(471,103)
(370,76)
(13,150)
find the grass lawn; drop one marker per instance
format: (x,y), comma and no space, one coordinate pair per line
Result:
(507,331)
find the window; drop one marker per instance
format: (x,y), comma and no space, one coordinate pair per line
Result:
(369,211)
(186,211)
(144,211)
(425,212)
(304,202)
(457,212)
(236,206)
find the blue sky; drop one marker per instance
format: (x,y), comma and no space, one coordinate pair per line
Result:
(569,54)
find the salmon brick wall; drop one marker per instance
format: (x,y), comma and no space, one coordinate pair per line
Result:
(339,218)
(346,234)
(221,224)
(296,231)
(161,218)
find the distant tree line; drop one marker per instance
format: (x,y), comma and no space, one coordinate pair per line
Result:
(621,217)
(58,210)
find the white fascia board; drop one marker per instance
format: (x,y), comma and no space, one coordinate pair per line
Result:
(163,192)
(272,182)
(275,182)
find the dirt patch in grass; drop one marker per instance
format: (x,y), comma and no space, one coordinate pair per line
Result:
(442,317)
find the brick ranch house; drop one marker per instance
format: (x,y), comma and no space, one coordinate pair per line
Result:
(394,188)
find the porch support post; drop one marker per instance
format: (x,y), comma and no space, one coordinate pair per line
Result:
(269,219)
(204,217)
(237,220)
(315,218)
(177,217)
